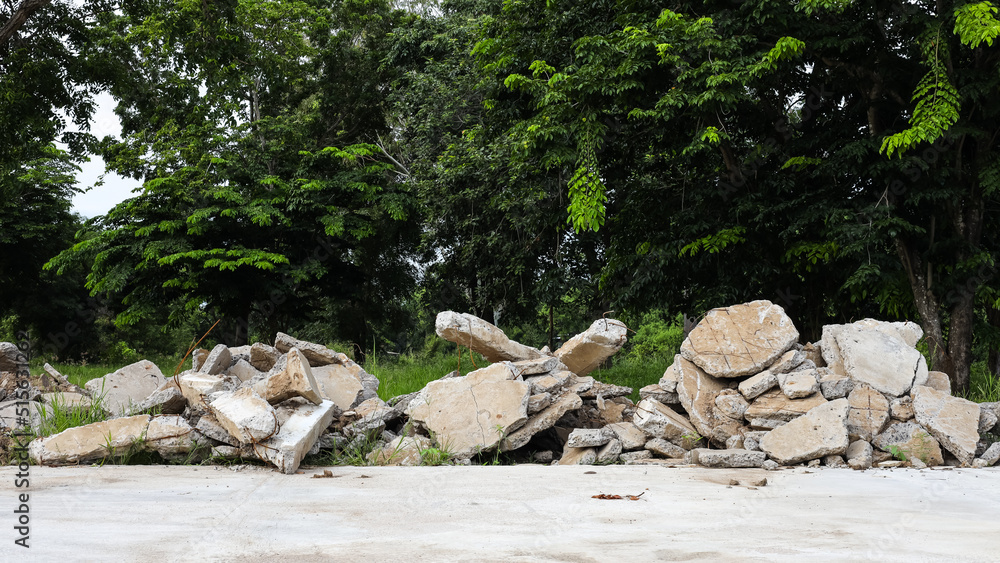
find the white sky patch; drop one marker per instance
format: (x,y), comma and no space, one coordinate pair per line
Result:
(98,200)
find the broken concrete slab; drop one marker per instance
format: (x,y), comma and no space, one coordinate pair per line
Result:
(664,448)
(727,458)
(879,359)
(172,437)
(608,453)
(578,456)
(403,451)
(833,385)
(482,337)
(799,384)
(732,404)
(301,422)
(820,432)
(901,409)
(316,354)
(589,437)
(473,413)
(869,413)
(127,386)
(208,426)
(697,391)
(631,436)
(987,419)
(541,421)
(243,371)
(671,377)
(90,442)
(605,390)
(217,361)
(263,356)
(939,380)
(757,385)
(296,380)
(538,366)
(990,457)
(660,421)
(67,399)
(654,391)
(859,455)
(195,386)
(245,415)
(953,421)
(912,441)
(168,399)
(538,402)
(740,340)
(775,405)
(339,384)
(586,351)
(788,361)
(548,383)
(17,415)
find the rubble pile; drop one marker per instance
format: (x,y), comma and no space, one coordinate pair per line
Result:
(742,392)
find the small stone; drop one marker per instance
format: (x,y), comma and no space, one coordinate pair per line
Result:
(805,366)
(315,354)
(834,386)
(834,461)
(663,448)
(814,353)
(195,386)
(813,463)
(728,458)
(987,419)
(757,385)
(991,456)
(766,423)
(799,384)
(402,451)
(589,437)
(770,465)
(243,371)
(859,455)
(671,377)
(608,453)
(776,405)
(218,360)
(545,456)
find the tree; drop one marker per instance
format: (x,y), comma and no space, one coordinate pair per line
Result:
(247,123)
(727,116)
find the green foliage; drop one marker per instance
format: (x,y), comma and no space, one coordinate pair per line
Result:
(976,23)
(656,340)
(57,416)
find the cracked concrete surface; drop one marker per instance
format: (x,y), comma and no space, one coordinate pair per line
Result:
(507,513)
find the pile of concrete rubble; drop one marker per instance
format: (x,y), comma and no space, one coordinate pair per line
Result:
(742,393)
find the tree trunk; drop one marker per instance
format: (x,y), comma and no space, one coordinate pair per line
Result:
(17,19)
(993,359)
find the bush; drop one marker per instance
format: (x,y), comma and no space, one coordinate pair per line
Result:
(656,339)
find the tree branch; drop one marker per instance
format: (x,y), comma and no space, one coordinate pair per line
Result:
(16,21)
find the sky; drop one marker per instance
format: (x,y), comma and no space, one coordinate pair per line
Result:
(99,200)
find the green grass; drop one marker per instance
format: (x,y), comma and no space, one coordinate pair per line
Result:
(634,373)
(79,373)
(57,417)
(406,373)
(983,387)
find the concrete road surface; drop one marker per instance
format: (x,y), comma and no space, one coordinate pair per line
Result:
(513,513)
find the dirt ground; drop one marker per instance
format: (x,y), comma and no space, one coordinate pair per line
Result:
(509,513)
